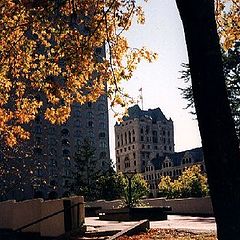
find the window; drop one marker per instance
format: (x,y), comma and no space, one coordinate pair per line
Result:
(89,104)
(103,155)
(53,162)
(38,151)
(38,119)
(102,135)
(65,132)
(102,116)
(67,162)
(51,131)
(78,142)
(155,137)
(77,133)
(38,140)
(147,129)
(76,113)
(53,152)
(102,125)
(66,152)
(39,172)
(65,142)
(129,137)
(103,144)
(77,123)
(101,107)
(90,115)
(142,138)
(38,130)
(90,124)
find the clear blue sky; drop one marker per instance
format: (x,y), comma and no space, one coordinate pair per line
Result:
(162,33)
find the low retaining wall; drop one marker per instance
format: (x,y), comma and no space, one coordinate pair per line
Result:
(188,206)
(14,215)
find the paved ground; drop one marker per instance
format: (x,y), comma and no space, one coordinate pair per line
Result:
(199,224)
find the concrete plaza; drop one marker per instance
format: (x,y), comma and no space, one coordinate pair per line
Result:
(188,223)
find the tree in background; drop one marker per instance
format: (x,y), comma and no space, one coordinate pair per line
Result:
(191,183)
(231,68)
(111,186)
(86,172)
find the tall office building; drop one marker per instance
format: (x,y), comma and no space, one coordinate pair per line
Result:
(50,161)
(142,136)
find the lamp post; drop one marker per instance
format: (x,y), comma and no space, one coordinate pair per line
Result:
(129,176)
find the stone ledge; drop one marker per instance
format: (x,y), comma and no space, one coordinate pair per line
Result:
(141,226)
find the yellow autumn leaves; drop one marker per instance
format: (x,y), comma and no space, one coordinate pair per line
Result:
(67,51)
(228,21)
(53,54)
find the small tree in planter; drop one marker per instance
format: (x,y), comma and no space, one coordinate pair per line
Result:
(139,189)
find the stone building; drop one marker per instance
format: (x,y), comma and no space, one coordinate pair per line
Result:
(142,136)
(171,165)
(144,143)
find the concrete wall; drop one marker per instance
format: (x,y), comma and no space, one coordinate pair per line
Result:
(201,206)
(26,212)
(6,213)
(14,215)
(53,226)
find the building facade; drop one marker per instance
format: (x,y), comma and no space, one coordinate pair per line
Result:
(142,136)
(144,143)
(50,161)
(171,165)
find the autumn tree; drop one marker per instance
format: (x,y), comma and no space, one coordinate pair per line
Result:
(65,52)
(191,183)
(216,125)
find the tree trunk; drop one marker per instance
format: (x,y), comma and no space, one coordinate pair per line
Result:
(219,140)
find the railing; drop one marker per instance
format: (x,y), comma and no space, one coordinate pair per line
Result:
(65,210)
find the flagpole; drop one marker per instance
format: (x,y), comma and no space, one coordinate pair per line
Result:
(141,96)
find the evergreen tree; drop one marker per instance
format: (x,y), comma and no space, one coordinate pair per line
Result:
(86,172)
